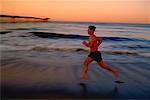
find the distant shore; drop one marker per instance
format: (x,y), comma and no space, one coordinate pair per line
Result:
(13,19)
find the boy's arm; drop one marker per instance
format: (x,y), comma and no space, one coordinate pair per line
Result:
(85,43)
(88,44)
(99,41)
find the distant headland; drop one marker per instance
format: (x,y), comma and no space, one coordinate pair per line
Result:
(13,19)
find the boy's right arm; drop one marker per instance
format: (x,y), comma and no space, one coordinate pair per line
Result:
(89,44)
(85,43)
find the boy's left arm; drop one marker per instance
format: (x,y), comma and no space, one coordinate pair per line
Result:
(99,40)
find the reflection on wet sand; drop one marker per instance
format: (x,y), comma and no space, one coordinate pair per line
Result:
(83,88)
(108,94)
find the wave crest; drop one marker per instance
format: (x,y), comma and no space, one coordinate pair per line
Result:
(71,36)
(44,48)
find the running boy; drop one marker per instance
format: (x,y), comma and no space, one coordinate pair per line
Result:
(95,55)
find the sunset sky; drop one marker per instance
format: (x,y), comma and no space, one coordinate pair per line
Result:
(131,11)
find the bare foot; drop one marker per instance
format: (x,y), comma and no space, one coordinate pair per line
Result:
(115,73)
(82,77)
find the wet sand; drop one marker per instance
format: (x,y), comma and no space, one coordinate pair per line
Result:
(55,74)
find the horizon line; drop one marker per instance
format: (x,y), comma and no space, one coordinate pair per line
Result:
(81,21)
(95,22)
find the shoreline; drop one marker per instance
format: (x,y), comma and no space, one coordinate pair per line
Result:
(55,74)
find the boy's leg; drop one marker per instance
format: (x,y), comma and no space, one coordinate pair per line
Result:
(105,66)
(85,69)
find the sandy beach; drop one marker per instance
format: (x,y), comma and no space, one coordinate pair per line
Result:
(32,74)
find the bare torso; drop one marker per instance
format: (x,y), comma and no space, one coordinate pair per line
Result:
(94,42)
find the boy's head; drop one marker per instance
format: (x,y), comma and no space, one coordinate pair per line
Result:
(91,29)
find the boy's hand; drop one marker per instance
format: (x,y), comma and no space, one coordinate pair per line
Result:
(85,43)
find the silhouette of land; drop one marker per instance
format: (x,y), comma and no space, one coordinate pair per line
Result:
(11,18)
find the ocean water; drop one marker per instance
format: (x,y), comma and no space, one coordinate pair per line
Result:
(119,38)
(29,52)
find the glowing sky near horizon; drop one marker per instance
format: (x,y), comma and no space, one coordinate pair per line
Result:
(132,11)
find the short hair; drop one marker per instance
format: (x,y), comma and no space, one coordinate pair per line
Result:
(91,27)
